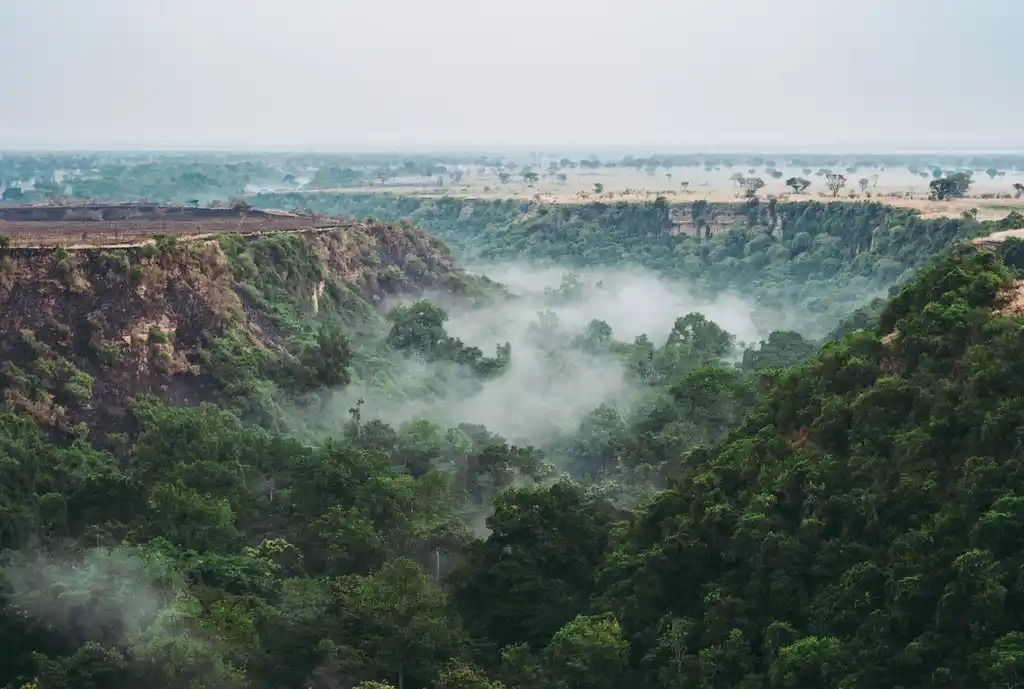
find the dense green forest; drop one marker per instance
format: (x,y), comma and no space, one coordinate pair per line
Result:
(783,514)
(144,541)
(345,462)
(807,264)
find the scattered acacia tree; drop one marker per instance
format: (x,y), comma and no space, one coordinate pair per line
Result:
(835,183)
(504,177)
(242,207)
(752,185)
(530,178)
(13,193)
(798,184)
(562,178)
(1019,188)
(598,188)
(954,185)
(863,182)
(941,189)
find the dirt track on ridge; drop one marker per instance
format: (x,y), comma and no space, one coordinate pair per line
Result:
(126,233)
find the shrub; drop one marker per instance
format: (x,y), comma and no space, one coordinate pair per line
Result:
(164,243)
(157,336)
(111,353)
(116,261)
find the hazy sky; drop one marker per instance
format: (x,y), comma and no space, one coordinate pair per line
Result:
(541,73)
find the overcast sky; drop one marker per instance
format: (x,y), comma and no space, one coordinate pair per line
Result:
(342,74)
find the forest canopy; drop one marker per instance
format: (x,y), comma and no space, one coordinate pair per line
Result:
(807,264)
(211,552)
(832,504)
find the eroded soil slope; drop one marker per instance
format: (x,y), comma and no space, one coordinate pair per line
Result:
(86,331)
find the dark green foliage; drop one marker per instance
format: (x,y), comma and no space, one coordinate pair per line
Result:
(954,185)
(324,363)
(841,536)
(864,317)
(535,571)
(419,328)
(700,336)
(844,517)
(239,525)
(1011,250)
(698,409)
(278,275)
(164,243)
(782,350)
(116,261)
(806,264)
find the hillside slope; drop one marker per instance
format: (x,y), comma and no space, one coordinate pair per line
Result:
(851,522)
(860,528)
(807,265)
(87,330)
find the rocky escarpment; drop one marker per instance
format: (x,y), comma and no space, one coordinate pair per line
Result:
(84,332)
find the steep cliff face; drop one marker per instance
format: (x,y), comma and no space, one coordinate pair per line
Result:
(84,332)
(383,259)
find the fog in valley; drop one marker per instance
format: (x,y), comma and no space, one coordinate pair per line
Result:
(553,381)
(633,301)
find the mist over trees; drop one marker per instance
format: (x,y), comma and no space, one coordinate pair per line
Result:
(760,444)
(805,265)
(635,549)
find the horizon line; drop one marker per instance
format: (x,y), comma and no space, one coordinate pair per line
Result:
(649,149)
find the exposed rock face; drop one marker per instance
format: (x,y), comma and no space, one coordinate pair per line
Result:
(85,331)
